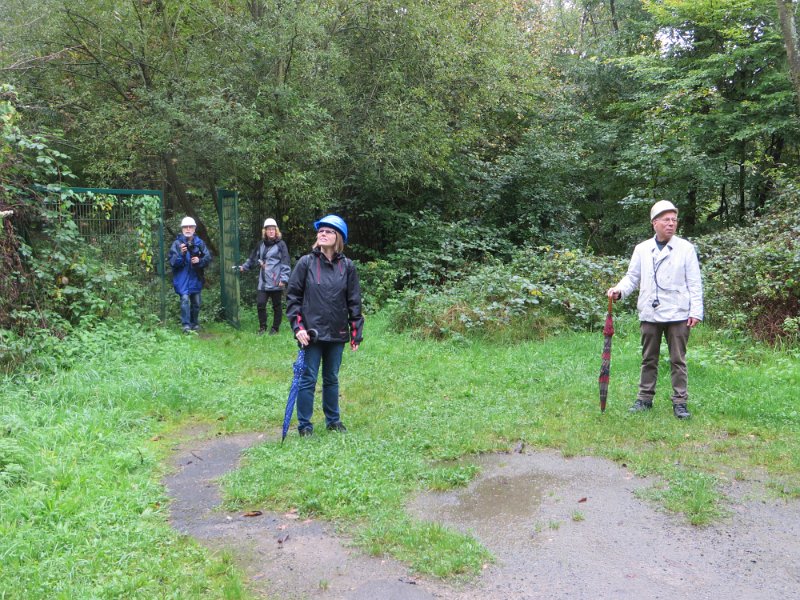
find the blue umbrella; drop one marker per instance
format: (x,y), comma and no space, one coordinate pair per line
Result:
(297,369)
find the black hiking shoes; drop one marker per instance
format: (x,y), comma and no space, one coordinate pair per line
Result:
(640,405)
(306,432)
(338,426)
(680,412)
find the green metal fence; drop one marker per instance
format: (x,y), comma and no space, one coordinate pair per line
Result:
(128,227)
(228,211)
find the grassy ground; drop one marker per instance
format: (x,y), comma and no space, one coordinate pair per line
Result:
(82,512)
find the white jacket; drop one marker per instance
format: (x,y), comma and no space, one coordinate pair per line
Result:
(671,276)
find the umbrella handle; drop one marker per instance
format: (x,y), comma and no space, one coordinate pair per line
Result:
(610,304)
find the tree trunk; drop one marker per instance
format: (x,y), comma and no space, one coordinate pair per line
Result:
(742,180)
(179,191)
(613,10)
(790,40)
(767,184)
(722,209)
(689,217)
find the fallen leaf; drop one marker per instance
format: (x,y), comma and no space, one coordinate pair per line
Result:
(283,538)
(155,438)
(307,521)
(253,513)
(282,527)
(582,500)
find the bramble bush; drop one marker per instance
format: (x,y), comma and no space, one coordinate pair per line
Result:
(539,291)
(752,275)
(52,280)
(432,253)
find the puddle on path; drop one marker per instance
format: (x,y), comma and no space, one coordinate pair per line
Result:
(498,505)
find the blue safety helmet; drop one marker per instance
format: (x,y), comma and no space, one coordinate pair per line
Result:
(334,222)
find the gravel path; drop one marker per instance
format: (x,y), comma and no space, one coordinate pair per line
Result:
(559,528)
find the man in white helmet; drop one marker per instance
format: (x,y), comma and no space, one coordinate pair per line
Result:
(666,271)
(188,257)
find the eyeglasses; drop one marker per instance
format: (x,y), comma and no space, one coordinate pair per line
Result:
(667,220)
(326,232)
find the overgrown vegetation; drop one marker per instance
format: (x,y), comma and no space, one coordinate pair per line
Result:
(753,275)
(57,278)
(539,291)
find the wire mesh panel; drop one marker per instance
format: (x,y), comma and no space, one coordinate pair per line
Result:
(228,210)
(127,226)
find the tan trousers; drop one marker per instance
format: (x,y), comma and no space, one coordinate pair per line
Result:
(677,334)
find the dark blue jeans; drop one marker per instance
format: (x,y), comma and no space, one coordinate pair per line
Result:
(190,309)
(330,354)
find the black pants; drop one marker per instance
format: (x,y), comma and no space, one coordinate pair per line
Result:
(261,306)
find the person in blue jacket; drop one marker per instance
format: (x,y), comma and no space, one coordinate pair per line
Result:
(188,257)
(324,296)
(272,257)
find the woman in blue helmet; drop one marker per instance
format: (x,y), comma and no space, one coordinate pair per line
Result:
(324,295)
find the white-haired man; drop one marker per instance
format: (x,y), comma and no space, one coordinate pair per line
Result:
(666,271)
(188,256)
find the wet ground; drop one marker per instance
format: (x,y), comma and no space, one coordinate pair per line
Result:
(559,528)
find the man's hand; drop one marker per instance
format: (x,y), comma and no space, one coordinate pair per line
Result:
(195,260)
(614,293)
(183,248)
(692,322)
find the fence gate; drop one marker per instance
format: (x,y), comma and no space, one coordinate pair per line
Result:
(228,211)
(118,220)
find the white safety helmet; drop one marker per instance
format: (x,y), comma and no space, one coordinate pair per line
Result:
(188,222)
(662,206)
(270,223)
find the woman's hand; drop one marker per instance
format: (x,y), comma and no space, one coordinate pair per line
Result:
(302,337)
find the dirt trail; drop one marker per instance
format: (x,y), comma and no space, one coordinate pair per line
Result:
(559,528)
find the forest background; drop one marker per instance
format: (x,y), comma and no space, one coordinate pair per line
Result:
(449,135)
(453,137)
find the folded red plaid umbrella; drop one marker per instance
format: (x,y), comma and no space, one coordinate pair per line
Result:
(605,366)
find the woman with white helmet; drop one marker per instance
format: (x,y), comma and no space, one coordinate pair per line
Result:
(272,256)
(324,298)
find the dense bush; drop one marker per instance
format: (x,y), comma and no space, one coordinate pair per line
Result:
(538,291)
(430,253)
(52,279)
(752,276)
